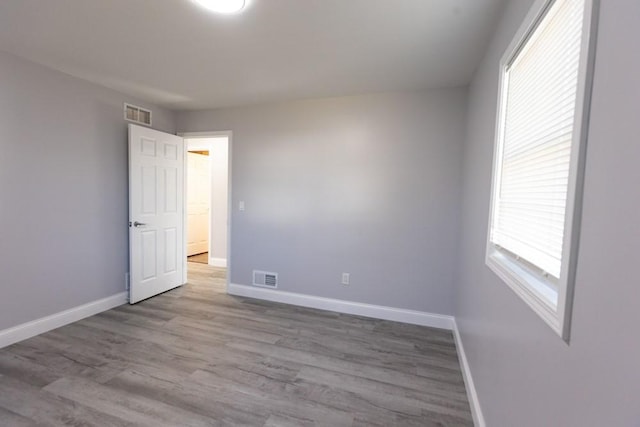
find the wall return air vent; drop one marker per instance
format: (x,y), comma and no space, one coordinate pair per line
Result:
(137,114)
(265,279)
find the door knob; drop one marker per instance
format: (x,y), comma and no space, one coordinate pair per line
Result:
(139,224)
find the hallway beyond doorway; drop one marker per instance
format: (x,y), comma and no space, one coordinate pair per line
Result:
(202,258)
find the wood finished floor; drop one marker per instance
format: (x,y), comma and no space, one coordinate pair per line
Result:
(195,356)
(202,258)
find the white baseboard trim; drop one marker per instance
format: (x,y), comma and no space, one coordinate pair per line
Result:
(360,309)
(45,324)
(472,395)
(218,262)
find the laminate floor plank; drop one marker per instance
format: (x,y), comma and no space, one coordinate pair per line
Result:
(12,419)
(61,360)
(419,399)
(26,370)
(197,328)
(128,406)
(195,356)
(286,421)
(341,365)
(275,399)
(175,389)
(47,409)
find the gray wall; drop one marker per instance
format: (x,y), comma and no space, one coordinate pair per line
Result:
(63,189)
(524,373)
(368,185)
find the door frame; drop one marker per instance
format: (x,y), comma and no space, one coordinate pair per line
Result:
(203,135)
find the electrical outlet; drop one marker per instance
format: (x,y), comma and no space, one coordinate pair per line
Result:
(345,278)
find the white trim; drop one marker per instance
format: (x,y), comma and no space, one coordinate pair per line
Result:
(212,134)
(472,394)
(218,262)
(349,307)
(229,205)
(185,154)
(558,317)
(45,324)
(527,286)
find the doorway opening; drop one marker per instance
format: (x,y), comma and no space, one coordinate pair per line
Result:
(207,160)
(198,205)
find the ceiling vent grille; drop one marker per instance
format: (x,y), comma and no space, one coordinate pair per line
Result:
(265,279)
(137,114)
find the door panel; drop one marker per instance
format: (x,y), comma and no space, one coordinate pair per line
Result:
(156,167)
(170,261)
(149,245)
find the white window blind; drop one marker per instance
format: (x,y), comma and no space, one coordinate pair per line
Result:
(537,125)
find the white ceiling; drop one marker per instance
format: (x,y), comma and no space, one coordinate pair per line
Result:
(174,53)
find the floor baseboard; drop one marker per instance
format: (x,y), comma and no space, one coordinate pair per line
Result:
(472,395)
(348,307)
(218,262)
(45,324)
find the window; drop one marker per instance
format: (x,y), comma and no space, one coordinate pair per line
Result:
(539,156)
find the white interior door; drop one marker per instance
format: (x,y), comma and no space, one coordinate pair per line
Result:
(198,192)
(156,215)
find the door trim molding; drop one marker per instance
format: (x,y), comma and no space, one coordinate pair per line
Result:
(45,324)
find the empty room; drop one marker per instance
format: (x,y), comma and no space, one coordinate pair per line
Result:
(319,213)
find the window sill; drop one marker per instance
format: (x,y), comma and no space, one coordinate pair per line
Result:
(537,292)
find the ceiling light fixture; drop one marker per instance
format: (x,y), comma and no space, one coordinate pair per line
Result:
(222,6)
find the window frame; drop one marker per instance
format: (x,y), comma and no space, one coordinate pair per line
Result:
(536,290)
